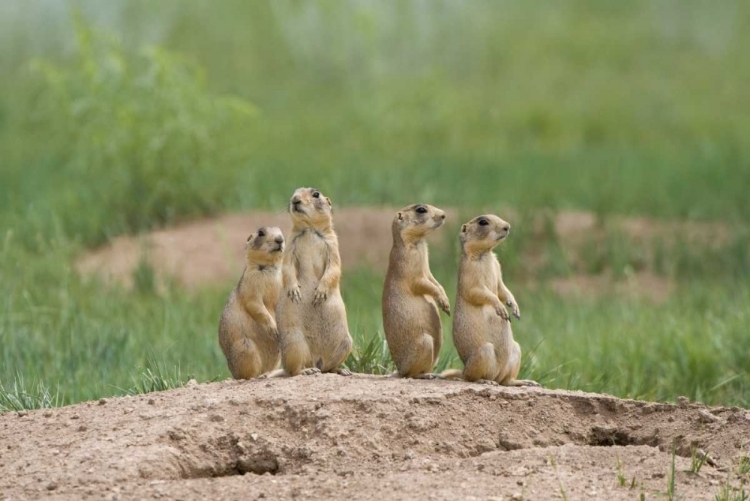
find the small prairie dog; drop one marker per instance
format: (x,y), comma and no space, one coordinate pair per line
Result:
(411,295)
(481,323)
(247,330)
(313,328)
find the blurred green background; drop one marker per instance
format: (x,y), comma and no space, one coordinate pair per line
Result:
(119,117)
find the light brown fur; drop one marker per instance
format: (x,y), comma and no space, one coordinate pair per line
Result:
(481,323)
(312,317)
(411,295)
(248,335)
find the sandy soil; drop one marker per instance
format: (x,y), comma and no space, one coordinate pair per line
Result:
(367,437)
(210,251)
(643,284)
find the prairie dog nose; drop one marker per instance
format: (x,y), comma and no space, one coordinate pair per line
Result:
(279,239)
(506,227)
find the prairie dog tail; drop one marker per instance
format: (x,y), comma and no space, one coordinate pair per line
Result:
(452,374)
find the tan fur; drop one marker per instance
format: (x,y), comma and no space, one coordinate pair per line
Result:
(411,295)
(481,323)
(247,330)
(312,317)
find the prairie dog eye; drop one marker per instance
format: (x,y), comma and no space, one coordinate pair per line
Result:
(483,222)
(421,210)
(261,233)
(316,194)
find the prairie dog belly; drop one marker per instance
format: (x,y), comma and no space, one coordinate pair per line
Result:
(311,254)
(407,309)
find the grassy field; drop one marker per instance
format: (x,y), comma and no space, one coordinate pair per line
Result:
(128,116)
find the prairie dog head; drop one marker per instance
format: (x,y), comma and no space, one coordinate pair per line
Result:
(415,221)
(265,246)
(483,233)
(309,207)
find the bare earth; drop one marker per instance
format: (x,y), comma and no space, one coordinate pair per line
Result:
(211,251)
(370,438)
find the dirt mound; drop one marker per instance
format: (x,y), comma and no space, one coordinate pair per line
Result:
(368,437)
(637,285)
(211,250)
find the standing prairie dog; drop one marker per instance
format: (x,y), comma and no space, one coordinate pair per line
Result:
(411,295)
(313,329)
(247,330)
(481,323)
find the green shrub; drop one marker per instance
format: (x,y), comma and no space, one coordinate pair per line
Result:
(145,139)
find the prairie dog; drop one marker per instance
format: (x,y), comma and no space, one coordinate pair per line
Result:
(247,330)
(481,323)
(411,295)
(313,328)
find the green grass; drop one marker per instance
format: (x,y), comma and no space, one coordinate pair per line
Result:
(744,467)
(697,460)
(671,477)
(156,376)
(729,493)
(370,356)
(142,114)
(621,478)
(553,462)
(19,396)
(88,338)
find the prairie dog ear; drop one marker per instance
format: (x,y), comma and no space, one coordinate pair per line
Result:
(463,228)
(329,202)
